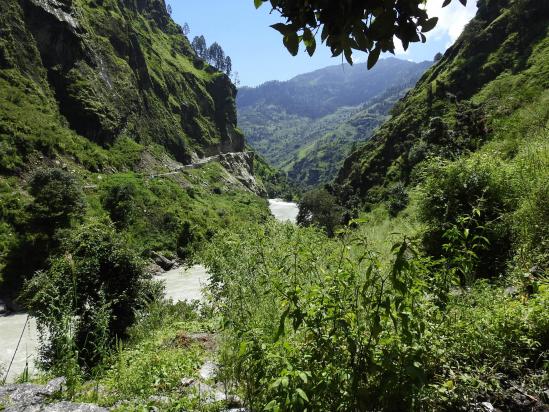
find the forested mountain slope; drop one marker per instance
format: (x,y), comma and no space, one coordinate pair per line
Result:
(108,97)
(307,125)
(495,72)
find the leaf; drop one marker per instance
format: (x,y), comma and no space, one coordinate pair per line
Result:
(291,41)
(429,24)
(464,2)
(446,2)
(242,349)
(258,3)
(373,57)
(311,46)
(280,331)
(302,394)
(282,28)
(348,56)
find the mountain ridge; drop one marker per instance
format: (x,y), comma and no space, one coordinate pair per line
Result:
(284,121)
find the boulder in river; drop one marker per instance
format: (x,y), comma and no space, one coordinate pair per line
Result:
(163,261)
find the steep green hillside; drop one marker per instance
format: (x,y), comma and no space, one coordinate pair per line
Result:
(306,126)
(107,71)
(109,96)
(319,161)
(481,90)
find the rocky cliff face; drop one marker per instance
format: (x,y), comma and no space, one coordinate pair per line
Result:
(497,65)
(111,70)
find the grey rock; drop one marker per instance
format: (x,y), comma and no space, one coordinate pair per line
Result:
(511,291)
(55,385)
(162,261)
(29,397)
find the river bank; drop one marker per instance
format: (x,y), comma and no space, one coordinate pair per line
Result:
(20,336)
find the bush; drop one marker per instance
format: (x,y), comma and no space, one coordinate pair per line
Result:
(326,325)
(452,192)
(397,199)
(319,208)
(57,200)
(119,202)
(57,203)
(317,324)
(88,297)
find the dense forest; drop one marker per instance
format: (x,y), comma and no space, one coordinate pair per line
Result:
(414,278)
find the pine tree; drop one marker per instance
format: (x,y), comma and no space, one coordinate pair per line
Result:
(186,29)
(228,66)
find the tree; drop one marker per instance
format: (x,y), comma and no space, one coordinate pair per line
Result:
(368,26)
(318,207)
(199,46)
(169,9)
(88,297)
(57,199)
(228,66)
(236,79)
(438,57)
(186,29)
(216,56)
(120,203)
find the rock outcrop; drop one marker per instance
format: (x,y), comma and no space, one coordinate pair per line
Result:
(38,398)
(119,70)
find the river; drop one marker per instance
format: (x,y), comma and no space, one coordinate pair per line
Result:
(283,211)
(181,284)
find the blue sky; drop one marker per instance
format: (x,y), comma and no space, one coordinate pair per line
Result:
(256,49)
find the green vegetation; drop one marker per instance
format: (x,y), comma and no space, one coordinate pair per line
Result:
(335,325)
(353,25)
(319,208)
(307,126)
(106,121)
(86,299)
(425,288)
(488,91)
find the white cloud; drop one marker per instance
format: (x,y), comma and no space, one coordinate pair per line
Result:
(451,19)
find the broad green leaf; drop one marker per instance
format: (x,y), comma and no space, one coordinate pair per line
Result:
(291,41)
(280,331)
(373,57)
(258,3)
(302,394)
(429,25)
(282,28)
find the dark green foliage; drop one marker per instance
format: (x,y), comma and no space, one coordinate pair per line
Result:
(90,295)
(319,208)
(199,46)
(38,224)
(352,25)
(188,238)
(58,198)
(397,199)
(120,202)
(470,197)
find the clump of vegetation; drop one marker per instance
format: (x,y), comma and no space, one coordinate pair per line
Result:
(332,325)
(472,196)
(319,208)
(39,222)
(87,298)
